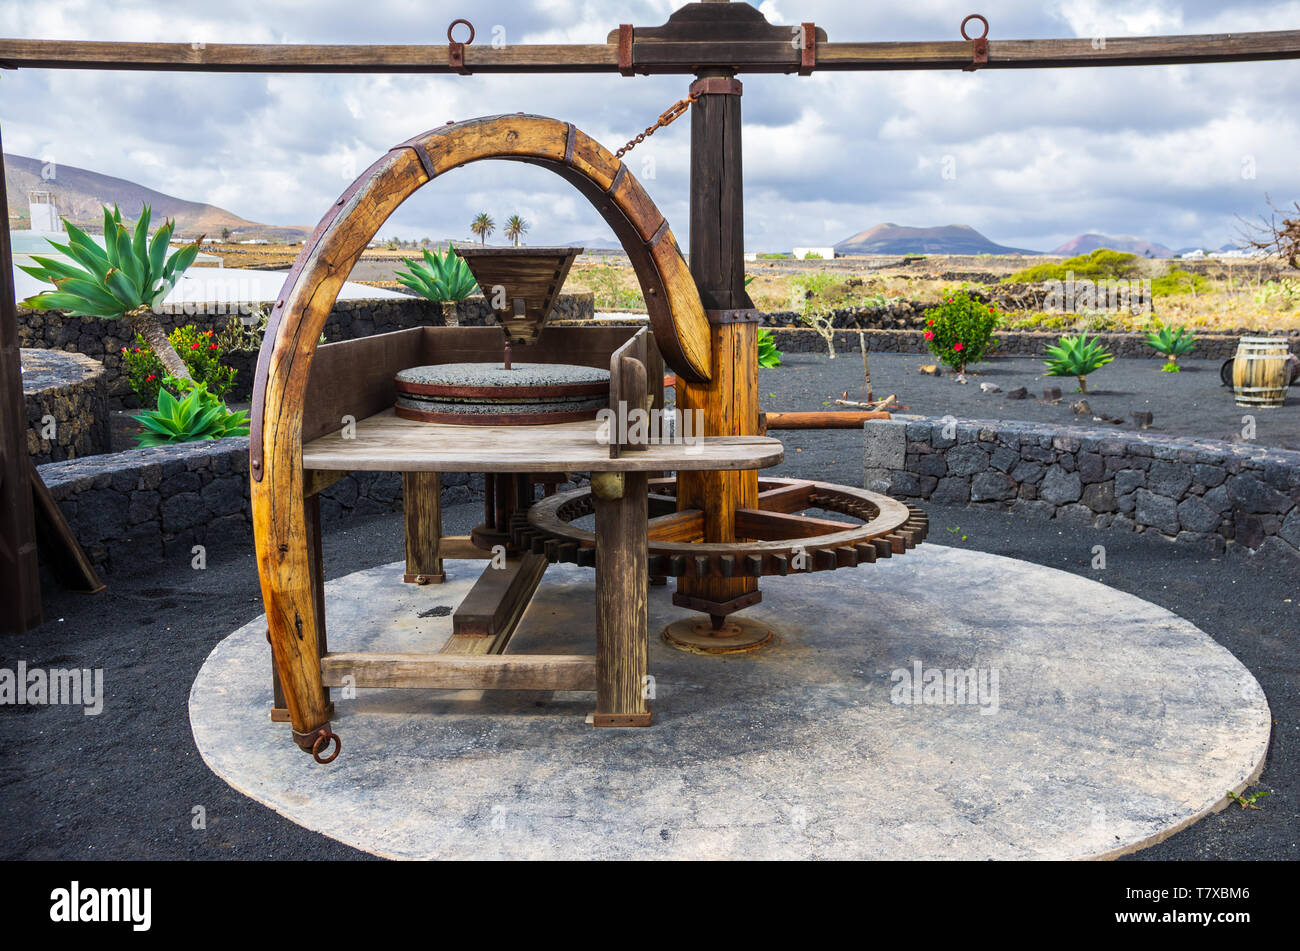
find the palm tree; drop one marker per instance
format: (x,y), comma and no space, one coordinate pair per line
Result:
(483,225)
(516,227)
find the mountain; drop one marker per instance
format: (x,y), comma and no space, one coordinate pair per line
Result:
(594,244)
(890,238)
(81,194)
(1091,242)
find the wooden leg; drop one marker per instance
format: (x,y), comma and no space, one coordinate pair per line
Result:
(422,500)
(316,565)
(20,585)
(622,599)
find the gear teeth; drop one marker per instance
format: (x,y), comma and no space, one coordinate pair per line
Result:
(587,557)
(866,553)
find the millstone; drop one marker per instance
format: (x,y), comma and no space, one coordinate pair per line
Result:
(490,394)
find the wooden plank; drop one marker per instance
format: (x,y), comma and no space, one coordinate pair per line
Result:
(684,526)
(651,56)
(20,585)
(622,600)
(461,672)
(786,498)
(355,378)
(315,481)
(773,526)
(422,516)
(385,442)
(486,619)
(304,58)
(460,547)
(58,543)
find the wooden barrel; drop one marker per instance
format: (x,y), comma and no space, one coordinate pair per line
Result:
(1260,371)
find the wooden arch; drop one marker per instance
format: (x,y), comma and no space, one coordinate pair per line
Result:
(275,447)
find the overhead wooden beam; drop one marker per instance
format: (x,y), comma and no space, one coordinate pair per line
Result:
(651,56)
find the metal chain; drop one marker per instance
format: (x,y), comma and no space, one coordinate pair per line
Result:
(673,112)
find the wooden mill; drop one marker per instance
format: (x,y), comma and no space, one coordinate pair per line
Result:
(717,528)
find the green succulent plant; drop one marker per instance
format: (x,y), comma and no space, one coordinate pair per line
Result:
(1077,357)
(199,415)
(1173,344)
(125,278)
(768,355)
(443,276)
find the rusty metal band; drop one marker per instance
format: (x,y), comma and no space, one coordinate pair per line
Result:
(658,235)
(740,315)
(808,55)
(491,392)
(494,419)
(618,179)
(426,160)
(717,86)
(625,37)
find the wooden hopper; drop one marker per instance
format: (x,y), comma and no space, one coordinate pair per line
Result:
(526,281)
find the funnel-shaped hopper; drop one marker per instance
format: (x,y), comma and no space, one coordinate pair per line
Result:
(520,284)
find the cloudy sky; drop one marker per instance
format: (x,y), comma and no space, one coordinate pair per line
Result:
(1172,153)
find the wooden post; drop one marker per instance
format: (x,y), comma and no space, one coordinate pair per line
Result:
(622,599)
(20,586)
(422,503)
(728,403)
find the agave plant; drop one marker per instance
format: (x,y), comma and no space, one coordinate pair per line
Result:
(1173,344)
(124,278)
(199,415)
(443,276)
(1077,357)
(768,355)
(516,227)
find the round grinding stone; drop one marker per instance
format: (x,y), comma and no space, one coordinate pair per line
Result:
(457,375)
(489,394)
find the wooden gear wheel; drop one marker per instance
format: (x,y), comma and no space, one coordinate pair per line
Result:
(783,541)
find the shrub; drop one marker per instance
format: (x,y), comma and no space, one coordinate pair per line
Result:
(201,353)
(1178,281)
(1077,357)
(960,330)
(1102,264)
(198,415)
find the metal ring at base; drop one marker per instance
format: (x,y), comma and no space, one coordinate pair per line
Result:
(739,635)
(321,742)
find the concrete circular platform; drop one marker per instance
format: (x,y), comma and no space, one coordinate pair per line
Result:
(1095,724)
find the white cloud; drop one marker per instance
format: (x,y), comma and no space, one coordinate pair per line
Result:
(1038,155)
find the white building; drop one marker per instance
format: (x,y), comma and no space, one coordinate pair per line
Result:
(823,253)
(44,213)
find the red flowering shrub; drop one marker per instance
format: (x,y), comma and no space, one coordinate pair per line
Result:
(960,330)
(199,350)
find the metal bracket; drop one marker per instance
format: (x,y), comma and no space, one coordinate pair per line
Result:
(625,37)
(808,55)
(979,45)
(456,50)
(716,86)
(744,315)
(317,741)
